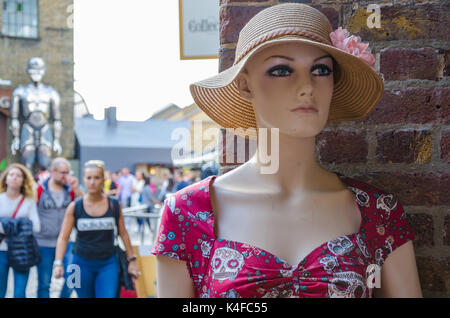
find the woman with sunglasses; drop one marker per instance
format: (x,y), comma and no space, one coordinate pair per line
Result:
(95,217)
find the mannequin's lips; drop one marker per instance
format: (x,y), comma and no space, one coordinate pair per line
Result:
(305,109)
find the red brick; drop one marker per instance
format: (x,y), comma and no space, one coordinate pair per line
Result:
(447,63)
(332,14)
(342,147)
(412,146)
(447,229)
(445,146)
(441,101)
(226,58)
(403,22)
(411,105)
(434,274)
(413,188)
(296,1)
(445,190)
(233,19)
(422,226)
(406,63)
(237,1)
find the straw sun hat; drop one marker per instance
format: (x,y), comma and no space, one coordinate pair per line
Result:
(357,89)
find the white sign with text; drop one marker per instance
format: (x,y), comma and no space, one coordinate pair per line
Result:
(199,29)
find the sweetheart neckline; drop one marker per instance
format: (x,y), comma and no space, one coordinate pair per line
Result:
(344,179)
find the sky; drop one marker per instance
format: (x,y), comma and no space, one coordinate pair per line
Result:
(127,55)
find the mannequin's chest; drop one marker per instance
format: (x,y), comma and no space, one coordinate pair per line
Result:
(289,229)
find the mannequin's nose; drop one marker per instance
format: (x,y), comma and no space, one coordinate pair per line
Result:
(304,87)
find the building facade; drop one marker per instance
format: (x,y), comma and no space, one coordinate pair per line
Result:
(41,28)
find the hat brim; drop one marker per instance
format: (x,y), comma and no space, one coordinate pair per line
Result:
(356,93)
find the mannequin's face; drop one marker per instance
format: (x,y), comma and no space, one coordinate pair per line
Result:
(285,76)
(36,75)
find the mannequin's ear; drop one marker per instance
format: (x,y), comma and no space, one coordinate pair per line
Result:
(243,84)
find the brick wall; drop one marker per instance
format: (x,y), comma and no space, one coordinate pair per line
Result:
(55,46)
(403,146)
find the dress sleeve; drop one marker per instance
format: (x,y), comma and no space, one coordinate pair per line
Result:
(394,230)
(169,241)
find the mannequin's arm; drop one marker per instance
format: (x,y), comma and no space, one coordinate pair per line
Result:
(57,125)
(172,278)
(399,276)
(15,123)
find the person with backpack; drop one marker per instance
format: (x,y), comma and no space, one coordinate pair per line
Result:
(17,205)
(95,217)
(54,195)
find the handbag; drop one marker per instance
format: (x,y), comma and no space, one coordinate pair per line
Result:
(125,278)
(23,250)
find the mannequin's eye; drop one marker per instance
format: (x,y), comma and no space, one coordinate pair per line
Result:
(280,71)
(324,69)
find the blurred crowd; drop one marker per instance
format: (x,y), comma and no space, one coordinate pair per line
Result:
(41,218)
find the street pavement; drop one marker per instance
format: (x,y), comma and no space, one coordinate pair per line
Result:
(57,284)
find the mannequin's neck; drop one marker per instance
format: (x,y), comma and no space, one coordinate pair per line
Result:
(289,163)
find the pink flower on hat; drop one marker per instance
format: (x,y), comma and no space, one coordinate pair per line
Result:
(352,44)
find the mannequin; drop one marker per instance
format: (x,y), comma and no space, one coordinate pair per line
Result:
(288,214)
(38,104)
(302,205)
(301,202)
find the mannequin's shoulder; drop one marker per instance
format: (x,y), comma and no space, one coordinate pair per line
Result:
(51,91)
(19,90)
(372,193)
(192,197)
(235,180)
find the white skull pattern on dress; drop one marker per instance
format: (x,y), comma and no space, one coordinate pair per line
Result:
(386,203)
(379,257)
(329,263)
(361,196)
(362,246)
(340,245)
(346,285)
(206,249)
(226,263)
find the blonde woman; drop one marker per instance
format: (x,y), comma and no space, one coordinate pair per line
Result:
(17,196)
(95,216)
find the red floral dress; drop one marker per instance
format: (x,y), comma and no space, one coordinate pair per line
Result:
(343,267)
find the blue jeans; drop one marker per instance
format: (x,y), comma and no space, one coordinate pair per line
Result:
(98,278)
(45,271)
(68,260)
(20,278)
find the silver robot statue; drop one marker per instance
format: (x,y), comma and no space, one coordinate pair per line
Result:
(36,104)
